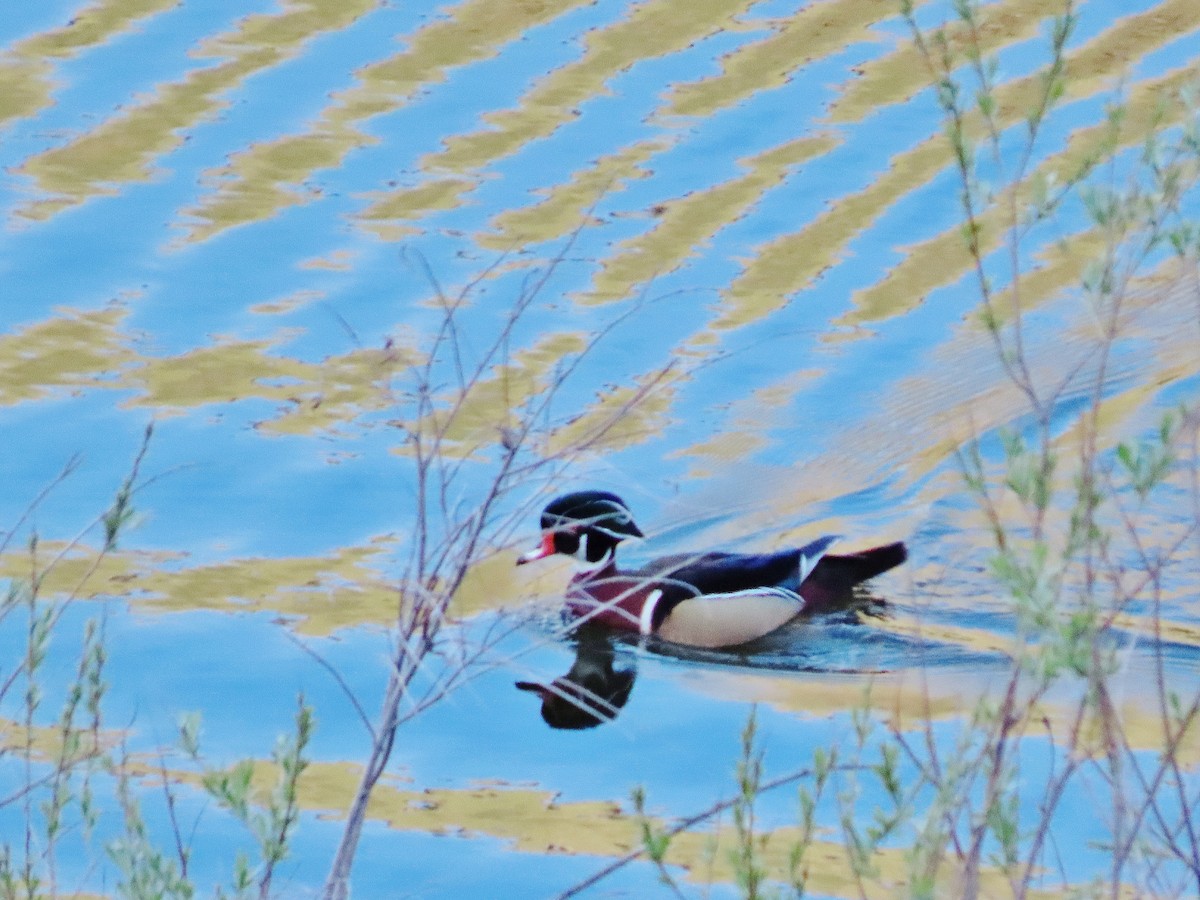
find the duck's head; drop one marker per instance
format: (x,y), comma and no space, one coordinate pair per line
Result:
(576,705)
(586,526)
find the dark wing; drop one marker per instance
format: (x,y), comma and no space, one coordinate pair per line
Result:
(722,573)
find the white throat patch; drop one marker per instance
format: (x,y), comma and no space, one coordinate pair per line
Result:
(582,564)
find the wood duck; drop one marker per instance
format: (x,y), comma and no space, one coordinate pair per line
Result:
(702,599)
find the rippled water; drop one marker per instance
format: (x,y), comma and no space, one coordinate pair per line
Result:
(224,218)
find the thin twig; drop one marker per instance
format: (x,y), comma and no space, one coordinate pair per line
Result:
(691,821)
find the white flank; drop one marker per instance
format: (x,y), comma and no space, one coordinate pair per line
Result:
(725,620)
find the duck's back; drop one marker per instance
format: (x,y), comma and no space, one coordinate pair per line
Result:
(724,573)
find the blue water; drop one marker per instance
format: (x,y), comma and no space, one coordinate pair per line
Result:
(826,404)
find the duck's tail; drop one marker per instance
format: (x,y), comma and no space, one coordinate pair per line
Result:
(832,579)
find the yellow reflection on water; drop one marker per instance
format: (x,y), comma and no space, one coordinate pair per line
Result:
(815,31)
(27,69)
(70,349)
(685,225)
(266,178)
(121,149)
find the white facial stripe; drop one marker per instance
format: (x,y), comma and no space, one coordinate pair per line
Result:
(646,620)
(583,564)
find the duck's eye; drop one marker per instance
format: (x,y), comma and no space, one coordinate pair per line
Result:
(566,542)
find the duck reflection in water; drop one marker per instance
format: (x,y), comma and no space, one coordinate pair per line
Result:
(601,678)
(593,691)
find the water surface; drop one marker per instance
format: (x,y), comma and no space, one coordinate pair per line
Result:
(224,219)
